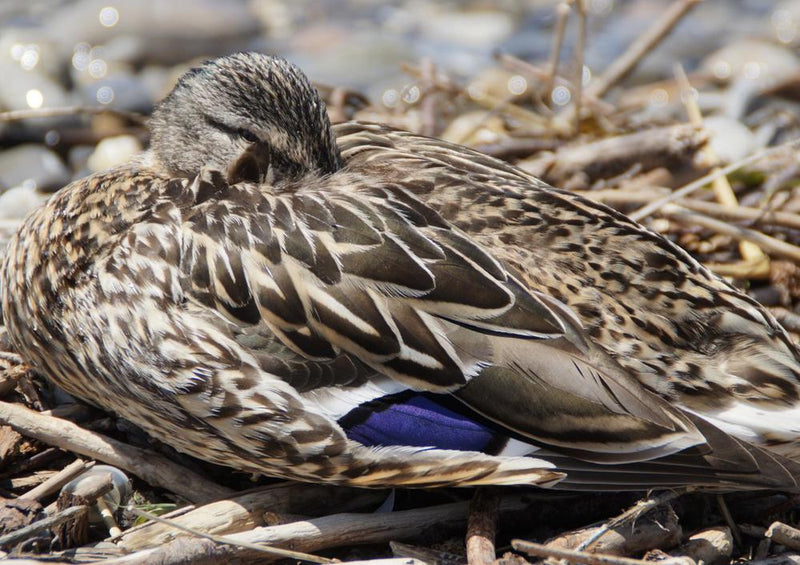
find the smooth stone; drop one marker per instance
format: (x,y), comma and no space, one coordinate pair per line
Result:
(18,85)
(33,166)
(113,151)
(730,140)
(754,60)
(122,91)
(19,201)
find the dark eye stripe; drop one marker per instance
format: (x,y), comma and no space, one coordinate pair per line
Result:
(238,132)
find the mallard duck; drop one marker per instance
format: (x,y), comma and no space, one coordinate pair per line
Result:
(364,306)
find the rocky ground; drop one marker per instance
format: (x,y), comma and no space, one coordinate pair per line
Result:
(640,107)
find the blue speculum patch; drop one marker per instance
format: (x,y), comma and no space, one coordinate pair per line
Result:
(414,419)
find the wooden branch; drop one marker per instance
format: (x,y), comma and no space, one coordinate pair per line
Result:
(482,527)
(658,529)
(248,510)
(52,484)
(276,552)
(686,190)
(153,468)
(643,45)
(713,546)
(772,245)
(40,113)
(336,530)
(52,521)
(585,558)
(425,554)
(580,48)
(784,534)
(671,146)
(562,13)
(387,561)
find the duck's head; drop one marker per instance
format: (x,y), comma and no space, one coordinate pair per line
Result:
(219,110)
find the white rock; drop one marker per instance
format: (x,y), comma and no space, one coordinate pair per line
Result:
(753,60)
(730,140)
(113,151)
(19,201)
(34,166)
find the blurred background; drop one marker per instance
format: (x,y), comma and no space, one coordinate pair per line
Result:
(496,75)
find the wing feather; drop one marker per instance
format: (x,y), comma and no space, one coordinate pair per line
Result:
(376,274)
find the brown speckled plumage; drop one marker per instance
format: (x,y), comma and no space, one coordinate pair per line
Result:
(250,293)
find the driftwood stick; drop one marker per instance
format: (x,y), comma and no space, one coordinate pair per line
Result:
(58,480)
(247,510)
(584,558)
(579,56)
(271,551)
(784,534)
(319,533)
(671,146)
(429,96)
(425,554)
(482,527)
(388,561)
(782,559)
(643,45)
(686,190)
(754,216)
(153,468)
(751,253)
(633,513)
(659,529)
(38,113)
(562,13)
(768,243)
(51,521)
(713,546)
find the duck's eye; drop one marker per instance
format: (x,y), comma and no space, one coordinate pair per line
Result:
(245,134)
(248,135)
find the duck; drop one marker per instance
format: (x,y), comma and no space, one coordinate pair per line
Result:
(364,306)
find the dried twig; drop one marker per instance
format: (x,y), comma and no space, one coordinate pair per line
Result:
(153,468)
(44,524)
(643,45)
(784,534)
(425,554)
(658,529)
(728,517)
(755,262)
(37,113)
(330,531)
(713,546)
(579,55)
(687,189)
(634,512)
(429,96)
(584,558)
(246,510)
(58,480)
(273,551)
(562,14)
(509,61)
(670,146)
(482,526)
(770,244)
